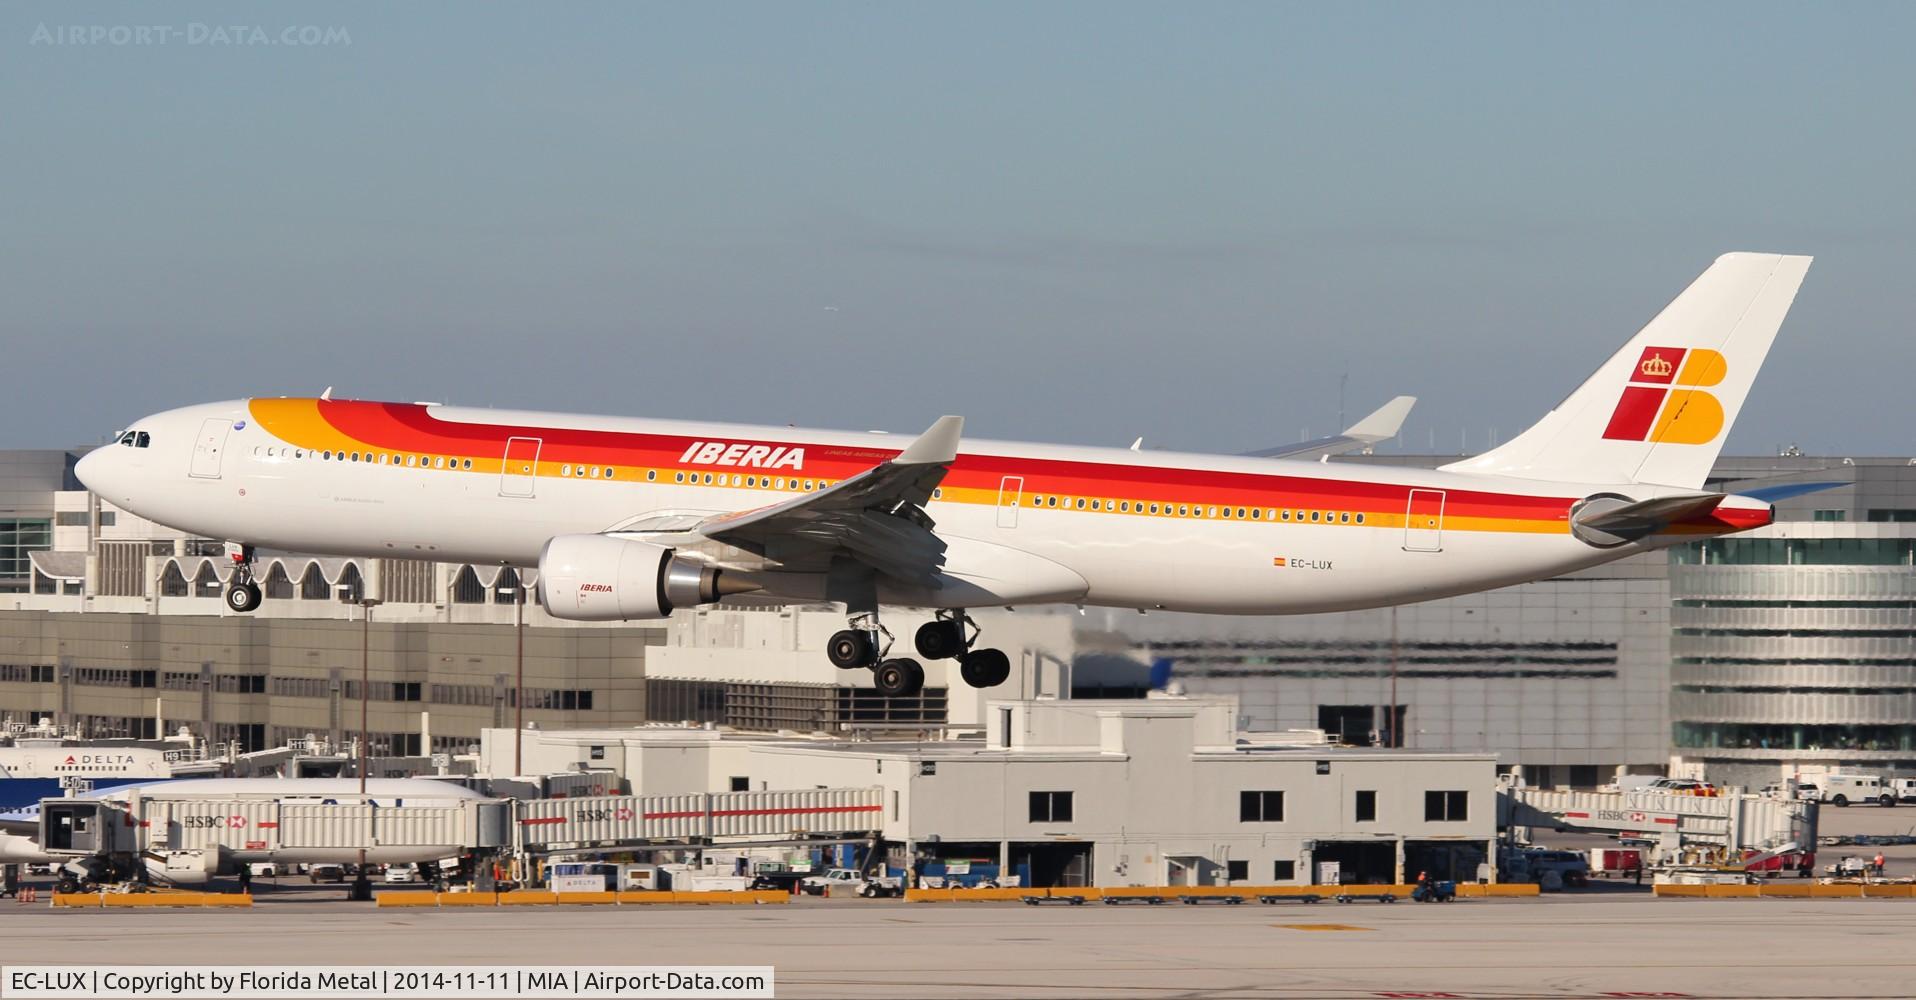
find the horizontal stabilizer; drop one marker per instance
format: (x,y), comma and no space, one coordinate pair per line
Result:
(1608,520)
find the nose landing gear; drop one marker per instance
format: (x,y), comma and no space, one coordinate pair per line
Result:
(243,595)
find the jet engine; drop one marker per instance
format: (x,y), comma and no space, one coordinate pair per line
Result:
(598,578)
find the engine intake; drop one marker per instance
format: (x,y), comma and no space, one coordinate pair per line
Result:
(598,578)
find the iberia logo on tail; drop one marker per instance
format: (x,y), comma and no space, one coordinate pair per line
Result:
(1665,402)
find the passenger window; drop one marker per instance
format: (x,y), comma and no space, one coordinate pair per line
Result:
(1254,513)
(595,472)
(751,481)
(565,470)
(327,455)
(439,463)
(1313,515)
(1080,503)
(678,477)
(708,479)
(1344,518)
(1227,512)
(1183,510)
(1360,518)
(651,474)
(467,464)
(1212,512)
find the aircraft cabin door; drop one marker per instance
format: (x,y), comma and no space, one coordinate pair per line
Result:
(1011,492)
(208,448)
(1424,521)
(518,474)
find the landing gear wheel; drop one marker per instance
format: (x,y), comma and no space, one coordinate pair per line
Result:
(850,649)
(900,678)
(941,639)
(983,668)
(243,598)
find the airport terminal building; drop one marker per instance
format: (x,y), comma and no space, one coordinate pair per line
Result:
(1787,650)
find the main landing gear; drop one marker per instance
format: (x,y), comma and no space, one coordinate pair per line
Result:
(243,595)
(950,636)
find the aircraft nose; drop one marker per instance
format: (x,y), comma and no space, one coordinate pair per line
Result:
(89,467)
(100,470)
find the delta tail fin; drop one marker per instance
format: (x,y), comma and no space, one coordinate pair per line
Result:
(1658,411)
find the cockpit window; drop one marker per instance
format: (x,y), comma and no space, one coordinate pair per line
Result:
(133,439)
(144,440)
(125,439)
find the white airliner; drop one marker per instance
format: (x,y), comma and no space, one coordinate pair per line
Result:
(628,519)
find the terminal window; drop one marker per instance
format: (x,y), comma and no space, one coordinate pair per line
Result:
(1260,807)
(1238,871)
(1283,871)
(1050,807)
(1446,807)
(1366,807)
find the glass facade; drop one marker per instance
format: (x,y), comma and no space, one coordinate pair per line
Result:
(19,536)
(1787,648)
(1797,552)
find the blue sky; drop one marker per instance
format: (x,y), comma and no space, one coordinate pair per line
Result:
(1069,222)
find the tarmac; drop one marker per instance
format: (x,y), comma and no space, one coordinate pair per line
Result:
(1589,945)
(1610,941)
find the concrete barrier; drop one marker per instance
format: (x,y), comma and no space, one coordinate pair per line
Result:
(77,900)
(588,898)
(641,897)
(528,897)
(400,899)
(111,900)
(468,899)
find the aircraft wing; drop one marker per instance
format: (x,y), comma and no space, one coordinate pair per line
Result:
(1379,426)
(876,517)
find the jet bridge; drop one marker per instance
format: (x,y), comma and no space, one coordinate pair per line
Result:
(1733,822)
(192,839)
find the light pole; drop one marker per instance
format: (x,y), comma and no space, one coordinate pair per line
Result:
(518,594)
(362,886)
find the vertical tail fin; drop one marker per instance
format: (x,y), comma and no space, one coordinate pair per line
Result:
(1659,409)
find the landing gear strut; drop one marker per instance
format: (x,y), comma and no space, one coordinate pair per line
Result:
(951,635)
(865,644)
(243,595)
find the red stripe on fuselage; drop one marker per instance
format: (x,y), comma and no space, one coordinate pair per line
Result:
(411,428)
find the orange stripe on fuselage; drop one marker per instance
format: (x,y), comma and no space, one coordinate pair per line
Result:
(411,429)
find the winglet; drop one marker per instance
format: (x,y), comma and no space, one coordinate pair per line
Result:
(937,446)
(1385,422)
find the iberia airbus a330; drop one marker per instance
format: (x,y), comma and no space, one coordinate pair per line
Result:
(629,519)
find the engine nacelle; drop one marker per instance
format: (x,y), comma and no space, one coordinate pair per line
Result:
(598,578)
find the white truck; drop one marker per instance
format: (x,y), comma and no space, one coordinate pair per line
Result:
(1903,788)
(1842,789)
(854,881)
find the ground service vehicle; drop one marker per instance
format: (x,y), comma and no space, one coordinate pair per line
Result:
(1843,789)
(856,882)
